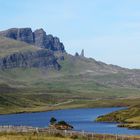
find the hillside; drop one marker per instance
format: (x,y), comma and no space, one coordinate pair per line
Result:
(36,71)
(9,46)
(15,54)
(129,118)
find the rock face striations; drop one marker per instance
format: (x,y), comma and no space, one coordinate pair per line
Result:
(39,59)
(38,38)
(44,56)
(22,34)
(47,41)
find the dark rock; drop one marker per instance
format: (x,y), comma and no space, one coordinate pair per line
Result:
(21,34)
(39,59)
(82,53)
(40,38)
(47,41)
(57,44)
(50,42)
(10,33)
(37,38)
(26,35)
(76,54)
(51,49)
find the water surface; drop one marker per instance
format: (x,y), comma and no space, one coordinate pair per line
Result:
(81,119)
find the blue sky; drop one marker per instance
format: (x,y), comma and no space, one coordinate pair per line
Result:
(108,30)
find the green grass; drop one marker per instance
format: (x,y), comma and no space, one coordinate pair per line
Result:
(10,46)
(30,136)
(37,88)
(45,136)
(80,79)
(129,118)
(122,115)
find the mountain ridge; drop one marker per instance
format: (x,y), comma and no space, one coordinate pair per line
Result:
(38,38)
(23,48)
(19,54)
(35,40)
(35,74)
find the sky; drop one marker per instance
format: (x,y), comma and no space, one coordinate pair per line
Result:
(108,30)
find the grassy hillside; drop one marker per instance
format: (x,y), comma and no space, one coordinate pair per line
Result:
(128,118)
(56,82)
(34,89)
(38,88)
(10,46)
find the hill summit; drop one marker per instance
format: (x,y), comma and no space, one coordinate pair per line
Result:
(29,49)
(38,38)
(24,48)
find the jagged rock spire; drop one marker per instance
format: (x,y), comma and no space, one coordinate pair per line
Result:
(82,53)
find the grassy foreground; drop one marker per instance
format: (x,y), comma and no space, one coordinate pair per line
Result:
(44,136)
(30,137)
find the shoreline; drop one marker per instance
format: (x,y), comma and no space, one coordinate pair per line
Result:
(96,120)
(55,109)
(70,104)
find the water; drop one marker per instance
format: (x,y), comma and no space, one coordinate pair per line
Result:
(81,119)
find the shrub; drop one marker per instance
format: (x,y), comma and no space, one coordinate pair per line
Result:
(53,120)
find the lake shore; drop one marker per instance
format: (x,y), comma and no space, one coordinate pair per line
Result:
(80,119)
(128,118)
(71,104)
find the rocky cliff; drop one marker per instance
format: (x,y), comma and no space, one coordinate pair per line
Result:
(22,34)
(46,49)
(47,41)
(38,38)
(39,59)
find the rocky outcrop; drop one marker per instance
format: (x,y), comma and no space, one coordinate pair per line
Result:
(38,38)
(50,50)
(22,34)
(76,54)
(47,41)
(26,35)
(82,53)
(40,59)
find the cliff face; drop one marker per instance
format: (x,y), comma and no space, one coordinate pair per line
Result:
(38,38)
(49,49)
(23,34)
(39,59)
